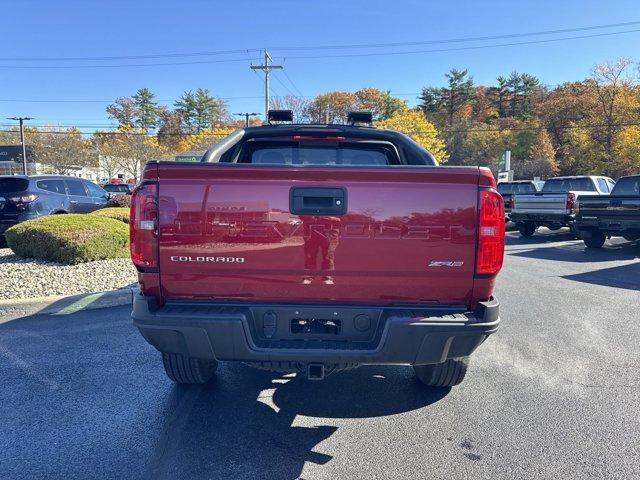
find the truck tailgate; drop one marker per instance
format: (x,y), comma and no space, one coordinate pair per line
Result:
(605,206)
(540,203)
(407,236)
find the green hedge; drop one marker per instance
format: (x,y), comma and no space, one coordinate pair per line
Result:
(119,201)
(70,239)
(117,213)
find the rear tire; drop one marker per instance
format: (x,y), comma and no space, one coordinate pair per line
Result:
(447,374)
(596,240)
(188,370)
(527,229)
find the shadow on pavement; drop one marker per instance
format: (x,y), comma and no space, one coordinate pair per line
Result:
(247,430)
(545,236)
(579,253)
(624,276)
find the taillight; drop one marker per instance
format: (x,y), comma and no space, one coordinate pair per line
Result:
(143,226)
(490,233)
(22,199)
(571,200)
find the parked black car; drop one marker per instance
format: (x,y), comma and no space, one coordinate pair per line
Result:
(24,198)
(614,215)
(118,189)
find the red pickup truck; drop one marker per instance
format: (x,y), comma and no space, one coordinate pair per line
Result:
(315,248)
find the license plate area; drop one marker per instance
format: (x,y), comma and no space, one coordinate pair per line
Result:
(322,323)
(316,326)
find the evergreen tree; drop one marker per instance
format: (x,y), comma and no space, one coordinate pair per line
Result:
(146,109)
(199,110)
(460,91)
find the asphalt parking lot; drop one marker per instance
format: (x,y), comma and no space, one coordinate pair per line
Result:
(554,394)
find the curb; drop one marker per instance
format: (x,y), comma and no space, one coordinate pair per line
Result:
(64,305)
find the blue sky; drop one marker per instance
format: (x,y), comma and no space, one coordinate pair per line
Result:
(46,29)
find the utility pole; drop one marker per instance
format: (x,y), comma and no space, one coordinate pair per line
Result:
(246,116)
(24,148)
(266,68)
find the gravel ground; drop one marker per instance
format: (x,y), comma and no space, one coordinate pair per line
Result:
(28,278)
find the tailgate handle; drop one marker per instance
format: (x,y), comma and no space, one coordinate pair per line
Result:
(318,201)
(616,203)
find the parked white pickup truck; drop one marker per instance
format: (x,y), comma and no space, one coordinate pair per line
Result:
(554,206)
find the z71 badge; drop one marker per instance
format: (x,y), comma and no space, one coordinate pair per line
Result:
(445,263)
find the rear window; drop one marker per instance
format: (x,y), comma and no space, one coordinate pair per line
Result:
(505,188)
(516,188)
(627,186)
(563,185)
(293,153)
(117,188)
(10,185)
(55,186)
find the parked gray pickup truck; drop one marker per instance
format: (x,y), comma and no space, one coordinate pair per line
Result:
(554,206)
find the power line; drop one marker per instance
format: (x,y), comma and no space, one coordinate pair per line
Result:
(342,55)
(293,84)
(129,57)
(322,47)
(124,65)
(458,40)
(283,85)
(475,47)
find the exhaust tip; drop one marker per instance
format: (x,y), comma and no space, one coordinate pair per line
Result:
(315,371)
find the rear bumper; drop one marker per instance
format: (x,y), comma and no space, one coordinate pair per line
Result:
(542,218)
(609,226)
(398,336)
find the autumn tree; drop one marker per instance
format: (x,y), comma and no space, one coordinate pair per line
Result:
(130,148)
(380,103)
(203,139)
(627,152)
(62,151)
(169,129)
(123,110)
(331,107)
(540,160)
(581,155)
(423,132)
(297,105)
(611,82)
(482,145)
